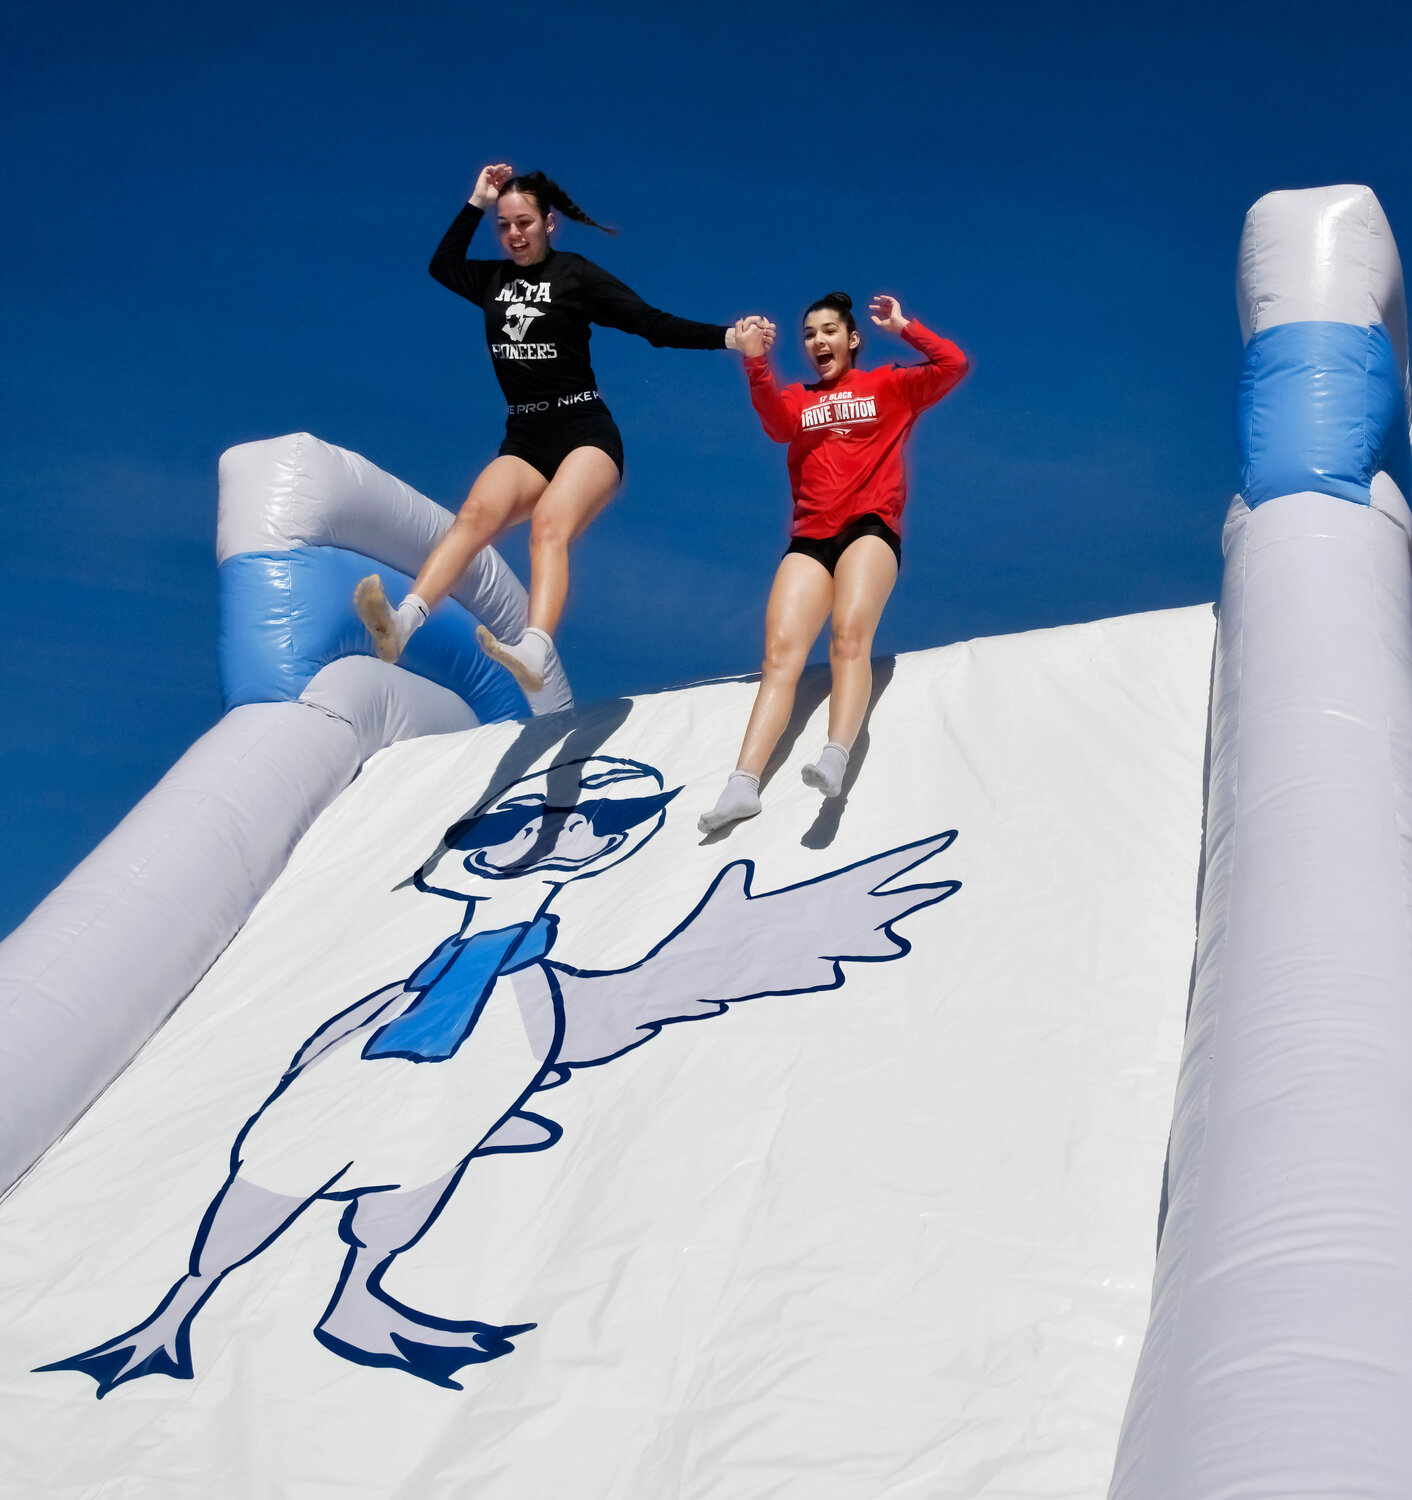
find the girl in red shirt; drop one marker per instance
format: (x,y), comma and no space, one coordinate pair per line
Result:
(846,434)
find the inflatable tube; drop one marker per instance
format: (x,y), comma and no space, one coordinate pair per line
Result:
(119,944)
(301,521)
(1278,1356)
(383,705)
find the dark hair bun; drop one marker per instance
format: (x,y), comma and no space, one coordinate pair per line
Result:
(840,299)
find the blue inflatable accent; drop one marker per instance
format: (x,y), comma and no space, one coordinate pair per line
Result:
(455,982)
(1321,407)
(286,614)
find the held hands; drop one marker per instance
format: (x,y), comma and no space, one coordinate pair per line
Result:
(752,336)
(887,313)
(489,183)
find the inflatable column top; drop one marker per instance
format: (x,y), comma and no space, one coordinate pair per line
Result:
(301,521)
(1324,397)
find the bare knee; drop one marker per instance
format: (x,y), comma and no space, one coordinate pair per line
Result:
(473,519)
(784,661)
(549,534)
(851,640)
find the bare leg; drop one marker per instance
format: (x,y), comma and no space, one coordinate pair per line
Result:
(504,493)
(800,601)
(862,581)
(583,485)
(799,604)
(585,482)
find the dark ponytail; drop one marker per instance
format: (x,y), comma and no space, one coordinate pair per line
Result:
(842,304)
(549,195)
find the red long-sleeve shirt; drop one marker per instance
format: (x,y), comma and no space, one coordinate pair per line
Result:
(846,439)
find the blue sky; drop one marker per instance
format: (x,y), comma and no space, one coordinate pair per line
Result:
(219,225)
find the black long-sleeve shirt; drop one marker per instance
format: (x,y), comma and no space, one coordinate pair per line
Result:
(537,318)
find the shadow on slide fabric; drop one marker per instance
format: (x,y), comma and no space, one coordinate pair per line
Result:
(812,692)
(824,829)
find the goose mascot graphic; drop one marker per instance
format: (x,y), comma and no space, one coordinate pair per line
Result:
(389,1102)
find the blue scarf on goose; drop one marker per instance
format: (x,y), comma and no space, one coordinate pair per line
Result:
(455,982)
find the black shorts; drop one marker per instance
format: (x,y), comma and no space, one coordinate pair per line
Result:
(828,549)
(544,439)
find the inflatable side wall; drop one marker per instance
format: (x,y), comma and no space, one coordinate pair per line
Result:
(301,521)
(1278,1356)
(103,961)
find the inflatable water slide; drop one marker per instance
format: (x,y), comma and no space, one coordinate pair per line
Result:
(406,1101)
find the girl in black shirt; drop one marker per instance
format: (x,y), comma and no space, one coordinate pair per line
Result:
(562,457)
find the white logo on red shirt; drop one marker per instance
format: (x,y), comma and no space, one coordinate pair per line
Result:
(840,410)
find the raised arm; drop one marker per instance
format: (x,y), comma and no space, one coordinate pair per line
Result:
(449,264)
(777,417)
(920,385)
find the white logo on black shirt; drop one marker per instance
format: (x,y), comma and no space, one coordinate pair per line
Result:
(520,290)
(518,319)
(525,351)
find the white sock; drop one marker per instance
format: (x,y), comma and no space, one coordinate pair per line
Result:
(740,799)
(826,774)
(525,660)
(411,615)
(533,649)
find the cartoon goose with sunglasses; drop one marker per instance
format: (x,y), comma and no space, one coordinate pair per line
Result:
(389,1101)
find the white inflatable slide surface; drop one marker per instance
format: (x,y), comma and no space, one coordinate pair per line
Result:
(523,1143)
